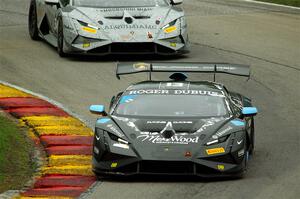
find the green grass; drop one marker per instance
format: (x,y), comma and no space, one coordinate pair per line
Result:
(16,165)
(295,3)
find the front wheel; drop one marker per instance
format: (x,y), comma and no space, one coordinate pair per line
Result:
(252,137)
(60,39)
(32,21)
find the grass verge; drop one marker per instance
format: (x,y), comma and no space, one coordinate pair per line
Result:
(295,3)
(16,150)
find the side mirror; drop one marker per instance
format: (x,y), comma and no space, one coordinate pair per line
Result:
(249,111)
(176,2)
(98,109)
(52,2)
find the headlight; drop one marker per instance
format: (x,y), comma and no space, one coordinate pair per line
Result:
(88,27)
(121,143)
(170,27)
(218,140)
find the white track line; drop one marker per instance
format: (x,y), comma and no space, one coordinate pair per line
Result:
(273,4)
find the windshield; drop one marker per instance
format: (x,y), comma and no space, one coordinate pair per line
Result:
(171,105)
(119,3)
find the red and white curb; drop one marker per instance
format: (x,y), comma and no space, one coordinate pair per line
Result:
(67,142)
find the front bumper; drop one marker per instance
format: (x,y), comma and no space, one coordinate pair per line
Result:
(228,158)
(128,166)
(128,48)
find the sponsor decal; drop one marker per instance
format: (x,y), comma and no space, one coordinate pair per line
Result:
(129,26)
(141,9)
(114,165)
(221,167)
(175,84)
(157,139)
(208,123)
(239,142)
(150,36)
(97,137)
(175,92)
(149,91)
(188,154)
(173,122)
(132,125)
(86,45)
(215,151)
(221,133)
(141,66)
(170,29)
(89,30)
(172,44)
(115,130)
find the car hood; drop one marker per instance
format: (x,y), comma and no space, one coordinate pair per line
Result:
(151,131)
(128,24)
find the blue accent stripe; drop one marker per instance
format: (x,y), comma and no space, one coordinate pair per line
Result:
(103,120)
(238,123)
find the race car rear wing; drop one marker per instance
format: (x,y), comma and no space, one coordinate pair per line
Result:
(125,68)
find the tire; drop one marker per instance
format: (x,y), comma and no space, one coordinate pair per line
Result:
(60,39)
(32,21)
(252,137)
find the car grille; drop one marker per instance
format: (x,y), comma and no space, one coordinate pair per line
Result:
(135,48)
(166,167)
(223,158)
(132,48)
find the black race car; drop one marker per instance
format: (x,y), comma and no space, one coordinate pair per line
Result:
(175,127)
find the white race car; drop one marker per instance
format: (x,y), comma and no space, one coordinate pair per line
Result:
(110,27)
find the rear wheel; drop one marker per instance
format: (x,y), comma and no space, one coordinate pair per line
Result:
(60,39)
(32,21)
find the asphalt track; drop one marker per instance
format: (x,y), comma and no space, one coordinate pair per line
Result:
(230,31)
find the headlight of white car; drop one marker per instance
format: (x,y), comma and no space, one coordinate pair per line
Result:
(170,27)
(88,27)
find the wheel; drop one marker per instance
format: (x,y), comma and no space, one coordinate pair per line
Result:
(32,21)
(252,137)
(244,169)
(60,39)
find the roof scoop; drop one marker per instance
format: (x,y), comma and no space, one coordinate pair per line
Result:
(168,131)
(178,77)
